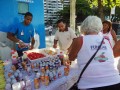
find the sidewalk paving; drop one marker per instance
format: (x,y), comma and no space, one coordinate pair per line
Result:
(49,41)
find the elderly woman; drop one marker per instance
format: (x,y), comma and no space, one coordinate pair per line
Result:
(101,74)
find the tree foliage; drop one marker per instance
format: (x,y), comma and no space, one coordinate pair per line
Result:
(82,10)
(106,3)
(91,7)
(105,8)
(65,13)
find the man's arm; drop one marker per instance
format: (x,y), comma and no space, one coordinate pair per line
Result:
(55,43)
(69,49)
(32,43)
(12,37)
(73,36)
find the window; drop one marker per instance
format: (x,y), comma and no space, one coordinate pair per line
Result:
(23,7)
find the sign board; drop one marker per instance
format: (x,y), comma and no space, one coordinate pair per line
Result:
(113,10)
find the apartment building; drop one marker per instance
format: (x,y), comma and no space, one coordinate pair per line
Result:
(51,7)
(66,3)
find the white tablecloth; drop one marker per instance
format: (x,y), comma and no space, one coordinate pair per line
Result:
(65,82)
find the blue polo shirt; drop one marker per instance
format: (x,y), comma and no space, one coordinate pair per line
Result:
(22,32)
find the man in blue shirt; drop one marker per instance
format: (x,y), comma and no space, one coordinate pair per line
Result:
(23,34)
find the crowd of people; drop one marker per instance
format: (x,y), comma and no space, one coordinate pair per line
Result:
(101,73)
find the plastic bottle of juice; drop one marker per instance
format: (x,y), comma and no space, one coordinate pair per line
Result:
(47,80)
(66,70)
(36,83)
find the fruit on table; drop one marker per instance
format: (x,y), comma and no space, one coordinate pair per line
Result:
(35,55)
(50,52)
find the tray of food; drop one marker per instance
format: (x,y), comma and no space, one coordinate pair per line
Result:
(36,55)
(50,51)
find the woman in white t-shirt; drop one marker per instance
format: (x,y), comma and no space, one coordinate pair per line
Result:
(101,74)
(109,33)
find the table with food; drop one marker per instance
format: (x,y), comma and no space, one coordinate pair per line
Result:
(38,69)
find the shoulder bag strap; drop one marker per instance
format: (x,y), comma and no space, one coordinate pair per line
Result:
(89,61)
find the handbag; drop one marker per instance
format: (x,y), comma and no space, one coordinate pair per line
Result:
(75,87)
